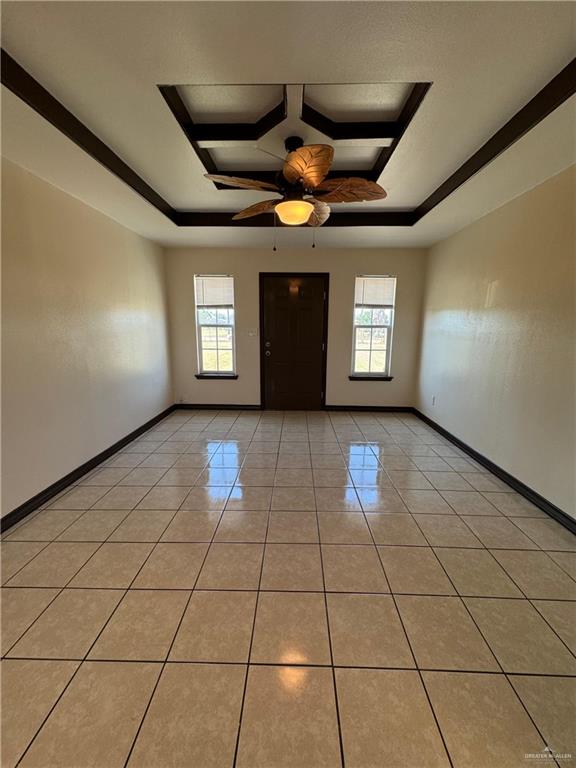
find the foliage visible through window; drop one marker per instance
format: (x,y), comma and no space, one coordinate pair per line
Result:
(373,324)
(215,323)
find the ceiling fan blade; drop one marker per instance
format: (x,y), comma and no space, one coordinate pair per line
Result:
(310,163)
(351,190)
(237,181)
(319,215)
(254,210)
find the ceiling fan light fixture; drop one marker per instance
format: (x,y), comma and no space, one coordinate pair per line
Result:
(305,172)
(294,212)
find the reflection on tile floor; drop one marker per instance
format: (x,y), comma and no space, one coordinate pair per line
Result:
(288,589)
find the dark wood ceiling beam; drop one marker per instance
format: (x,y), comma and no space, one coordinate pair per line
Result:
(337,219)
(16,79)
(349,130)
(196,132)
(553,95)
(173,99)
(239,131)
(409,109)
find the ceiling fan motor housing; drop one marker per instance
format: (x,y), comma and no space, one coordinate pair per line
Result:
(293,143)
(293,191)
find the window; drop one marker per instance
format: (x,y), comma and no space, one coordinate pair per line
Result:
(215,323)
(373,323)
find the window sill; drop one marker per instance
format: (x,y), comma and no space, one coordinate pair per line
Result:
(216,375)
(360,377)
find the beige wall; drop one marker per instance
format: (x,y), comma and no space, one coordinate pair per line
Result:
(85,354)
(84,335)
(498,338)
(245,264)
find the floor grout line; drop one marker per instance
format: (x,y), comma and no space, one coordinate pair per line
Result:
(245,687)
(278,664)
(397,592)
(330,645)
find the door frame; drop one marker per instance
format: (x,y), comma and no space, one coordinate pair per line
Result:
(326,280)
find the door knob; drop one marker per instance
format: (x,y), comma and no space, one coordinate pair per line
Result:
(268,353)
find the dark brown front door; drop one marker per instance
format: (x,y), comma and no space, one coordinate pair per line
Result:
(294,311)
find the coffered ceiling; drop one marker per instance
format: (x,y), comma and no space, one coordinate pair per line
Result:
(232,63)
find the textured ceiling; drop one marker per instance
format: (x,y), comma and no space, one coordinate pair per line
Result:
(103,60)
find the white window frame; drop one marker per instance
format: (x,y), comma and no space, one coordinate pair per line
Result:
(389,327)
(202,370)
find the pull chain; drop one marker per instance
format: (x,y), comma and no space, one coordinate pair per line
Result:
(313,237)
(274,243)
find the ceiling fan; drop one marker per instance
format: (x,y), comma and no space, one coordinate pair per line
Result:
(303,186)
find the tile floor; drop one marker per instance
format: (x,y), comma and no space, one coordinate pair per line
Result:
(298,589)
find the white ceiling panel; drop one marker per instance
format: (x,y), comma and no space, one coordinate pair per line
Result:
(230,103)
(358,101)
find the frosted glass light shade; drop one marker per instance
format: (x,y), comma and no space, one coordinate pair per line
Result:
(294,212)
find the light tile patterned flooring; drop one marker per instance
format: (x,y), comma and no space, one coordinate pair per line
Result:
(297,589)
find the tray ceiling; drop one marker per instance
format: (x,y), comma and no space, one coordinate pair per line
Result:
(354,61)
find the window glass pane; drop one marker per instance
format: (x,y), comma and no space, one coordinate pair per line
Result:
(208,336)
(381,316)
(377,361)
(224,360)
(379,338)
(363,316)
(206,316)
(223,317)
(361,362)
(224,338)
(210,360)
(363,336)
